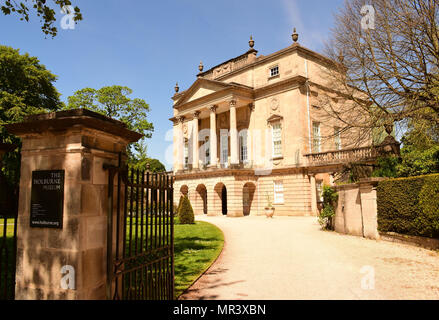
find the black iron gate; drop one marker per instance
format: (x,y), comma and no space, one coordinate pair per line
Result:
(8,232)
(141,244)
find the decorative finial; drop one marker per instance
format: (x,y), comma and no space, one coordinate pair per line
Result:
(177,88)
(201,66)
(251,43)
(295,35)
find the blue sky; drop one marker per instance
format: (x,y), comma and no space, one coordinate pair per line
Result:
(149,45)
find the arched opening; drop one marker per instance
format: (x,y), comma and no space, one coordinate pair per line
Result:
(248,193)
(220,200)
(201,199)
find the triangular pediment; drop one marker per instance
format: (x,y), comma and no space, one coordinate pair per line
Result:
(201,88)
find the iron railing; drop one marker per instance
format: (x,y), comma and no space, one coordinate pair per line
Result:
(140,252)
(8,232)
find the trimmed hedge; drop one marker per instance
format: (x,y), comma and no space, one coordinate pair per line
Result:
(409,206)
(185,212)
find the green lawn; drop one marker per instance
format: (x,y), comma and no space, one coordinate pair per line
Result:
(196,247)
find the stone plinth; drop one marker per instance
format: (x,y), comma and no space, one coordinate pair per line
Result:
(79,142)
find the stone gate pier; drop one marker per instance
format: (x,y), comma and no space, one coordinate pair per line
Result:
(62,240)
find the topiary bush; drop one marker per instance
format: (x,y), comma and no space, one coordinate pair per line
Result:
(409,206)
(185,212)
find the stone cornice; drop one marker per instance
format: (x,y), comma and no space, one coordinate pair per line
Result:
(64,120)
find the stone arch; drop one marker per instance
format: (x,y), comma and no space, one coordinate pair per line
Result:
(220,198)
(200,203)
(248,194)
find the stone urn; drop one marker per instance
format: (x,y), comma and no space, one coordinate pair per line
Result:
(269,212)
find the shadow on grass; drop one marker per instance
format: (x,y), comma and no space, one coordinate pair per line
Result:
(196,247)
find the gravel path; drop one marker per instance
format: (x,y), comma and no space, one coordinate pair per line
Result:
(291,258)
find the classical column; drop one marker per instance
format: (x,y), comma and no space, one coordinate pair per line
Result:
(180,144)
(312,180)
(196,152)
(233,134)
(213,138)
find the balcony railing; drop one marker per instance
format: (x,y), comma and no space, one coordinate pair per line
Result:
(361,154)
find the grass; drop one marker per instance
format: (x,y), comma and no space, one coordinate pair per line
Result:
(196,247)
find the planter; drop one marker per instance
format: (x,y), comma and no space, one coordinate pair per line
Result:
(269,212)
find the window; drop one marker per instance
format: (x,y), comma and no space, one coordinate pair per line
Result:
(337,138)
(224,149)
(274,71)
(316,137)
(243,156)
(186,155)
(278,192)
(319,190)
(277,140)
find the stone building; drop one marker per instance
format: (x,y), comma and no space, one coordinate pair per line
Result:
(249,132)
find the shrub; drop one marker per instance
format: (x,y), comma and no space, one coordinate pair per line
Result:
(330,197)
(409,206)
(177,208)
(185,212)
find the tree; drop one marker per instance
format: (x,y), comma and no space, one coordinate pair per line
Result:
(113,101)
(420,152)
(45,11)
(386,63)
(26,87)
(141,161)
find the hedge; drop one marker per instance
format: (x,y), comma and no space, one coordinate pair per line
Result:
(409,206)
(185,212)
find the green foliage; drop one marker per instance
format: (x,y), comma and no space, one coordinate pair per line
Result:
(26,87)
(420,151)
(409,206)
(330,197)
(140,161)
(113,102)
(179,204)
(387,167)
(44,11)
(185,212)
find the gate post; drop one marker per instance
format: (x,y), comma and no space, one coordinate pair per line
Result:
(67,262)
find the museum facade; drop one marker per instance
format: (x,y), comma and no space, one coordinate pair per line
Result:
(249,132)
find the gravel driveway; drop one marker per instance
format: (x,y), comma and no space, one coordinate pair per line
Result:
(291,258)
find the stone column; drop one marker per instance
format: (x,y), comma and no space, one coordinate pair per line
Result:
(234,158)
(180,144)
(79,142)
(213,137)
(312,180)
(195,138)
(369,209)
